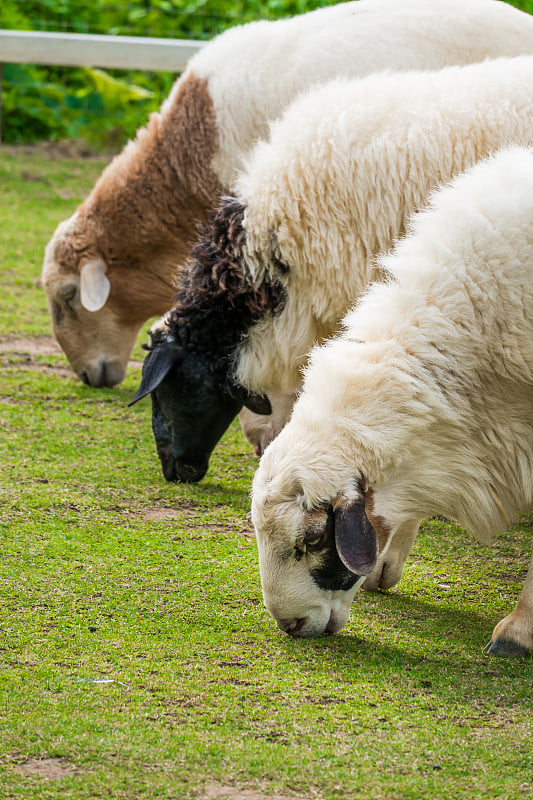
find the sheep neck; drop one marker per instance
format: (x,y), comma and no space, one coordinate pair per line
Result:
(156,190)
(217,301)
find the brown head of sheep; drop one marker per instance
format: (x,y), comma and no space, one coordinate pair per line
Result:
(111,266)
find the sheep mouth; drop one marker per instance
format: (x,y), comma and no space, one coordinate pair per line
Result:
(334,624)
(176,470)
(305,628)
(103,374)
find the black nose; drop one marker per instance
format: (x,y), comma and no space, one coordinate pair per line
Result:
(174,469)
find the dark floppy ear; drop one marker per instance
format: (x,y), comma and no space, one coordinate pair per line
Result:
(355,538)
(156,367)
(258,403)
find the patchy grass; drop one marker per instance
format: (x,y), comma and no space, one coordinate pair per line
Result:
(136,656)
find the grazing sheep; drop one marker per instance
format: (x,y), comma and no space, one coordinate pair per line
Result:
(421,407)
(110,267)
(280,264)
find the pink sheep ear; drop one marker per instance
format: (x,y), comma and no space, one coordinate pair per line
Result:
(355,538)
(94,285)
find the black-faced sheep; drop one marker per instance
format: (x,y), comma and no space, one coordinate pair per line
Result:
(280,263)
(421,407)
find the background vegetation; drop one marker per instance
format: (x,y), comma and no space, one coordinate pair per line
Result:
(107,108)
(58,103)
(137,660)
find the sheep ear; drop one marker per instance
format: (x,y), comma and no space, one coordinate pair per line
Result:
(156,367)
(355,538)
(94,285)
(258,403)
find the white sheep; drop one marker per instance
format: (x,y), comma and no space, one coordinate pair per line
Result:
(421,407)
(283,260)
(110,267)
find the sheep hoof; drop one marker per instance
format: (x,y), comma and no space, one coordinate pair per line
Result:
(505,648)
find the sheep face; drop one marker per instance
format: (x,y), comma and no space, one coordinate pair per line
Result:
(191,409)
(312,561)
(95,340)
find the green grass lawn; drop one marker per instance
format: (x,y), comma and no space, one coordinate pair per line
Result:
(136,657)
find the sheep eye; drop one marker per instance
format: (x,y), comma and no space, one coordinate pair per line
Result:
(315,543)
(316,529)
(67,295)
(58,313)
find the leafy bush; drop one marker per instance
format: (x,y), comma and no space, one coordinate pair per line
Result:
(106,108)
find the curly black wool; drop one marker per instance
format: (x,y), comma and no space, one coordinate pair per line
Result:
(216,300)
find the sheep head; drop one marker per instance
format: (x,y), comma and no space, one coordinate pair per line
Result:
(313,558)
(95,338)
(190,368)
(192,406)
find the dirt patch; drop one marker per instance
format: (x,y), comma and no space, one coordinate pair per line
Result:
(179,509)
(220,791)
(29,348)
(35,346)
(30,176)
(188,518)
(161,514)
(48,769)
(70,148)
(41,346)
(44,369)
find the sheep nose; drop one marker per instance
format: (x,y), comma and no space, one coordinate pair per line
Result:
(295,626)
(103,373)
(176,470)
(189,473)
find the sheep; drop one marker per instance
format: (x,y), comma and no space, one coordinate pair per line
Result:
(281,262)
(421,406)
(110,267)
(261,429)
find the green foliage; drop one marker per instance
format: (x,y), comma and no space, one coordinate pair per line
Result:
(45,103)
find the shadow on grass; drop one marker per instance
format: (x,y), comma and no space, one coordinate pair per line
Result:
(441,650)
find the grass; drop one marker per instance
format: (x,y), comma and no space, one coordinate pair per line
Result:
(136,657)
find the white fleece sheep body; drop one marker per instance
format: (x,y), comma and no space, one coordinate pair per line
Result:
(135,228)
(351,39)
(422,406)
(343,169)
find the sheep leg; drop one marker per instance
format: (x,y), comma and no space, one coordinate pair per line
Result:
(389,568)
(513,636)
(260,430)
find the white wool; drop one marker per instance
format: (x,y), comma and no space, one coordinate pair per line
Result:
(344,168)
(351,39)
(427,392)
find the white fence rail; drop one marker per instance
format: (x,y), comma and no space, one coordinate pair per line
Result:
(85,50)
